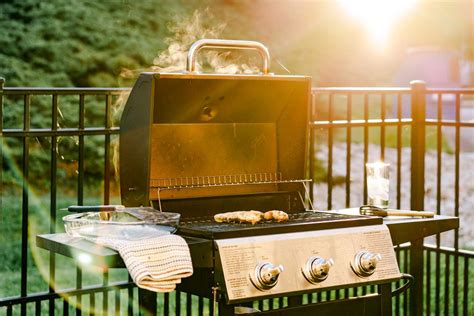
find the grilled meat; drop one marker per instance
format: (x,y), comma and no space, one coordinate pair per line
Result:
(252,217)
(278,216)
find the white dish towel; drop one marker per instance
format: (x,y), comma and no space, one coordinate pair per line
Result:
(156,264)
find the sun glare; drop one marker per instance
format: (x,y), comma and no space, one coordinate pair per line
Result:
(378,16)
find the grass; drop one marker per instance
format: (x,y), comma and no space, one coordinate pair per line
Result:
(38,263)
(38,260)
(446,281)
(93,304)
(39,222)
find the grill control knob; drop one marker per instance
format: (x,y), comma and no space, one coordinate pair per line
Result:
(317,269)
(266,275)
(365,263)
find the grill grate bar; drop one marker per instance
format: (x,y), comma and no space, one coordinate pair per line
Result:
(221,180)
(224,181)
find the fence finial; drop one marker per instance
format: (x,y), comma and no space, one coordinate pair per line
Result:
(2,82)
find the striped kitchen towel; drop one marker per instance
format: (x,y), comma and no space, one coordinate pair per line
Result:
(156,264)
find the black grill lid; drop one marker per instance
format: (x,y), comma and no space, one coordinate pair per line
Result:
(180,127)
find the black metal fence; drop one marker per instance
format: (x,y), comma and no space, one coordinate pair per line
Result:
(409,127)
(349,127)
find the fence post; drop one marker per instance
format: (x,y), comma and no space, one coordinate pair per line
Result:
(418,113)
(417,192)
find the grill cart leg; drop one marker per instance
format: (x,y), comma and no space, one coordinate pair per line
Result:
(295,300)
(225,309)
(386,299)
(146,302)
(416,269)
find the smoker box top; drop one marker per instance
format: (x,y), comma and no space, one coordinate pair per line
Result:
(206,227)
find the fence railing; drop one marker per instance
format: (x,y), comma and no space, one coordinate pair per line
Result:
(411,114)
(50,163)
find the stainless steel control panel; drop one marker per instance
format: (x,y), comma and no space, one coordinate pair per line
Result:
(259,266)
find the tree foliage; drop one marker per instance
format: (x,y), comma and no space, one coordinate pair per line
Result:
(80,43)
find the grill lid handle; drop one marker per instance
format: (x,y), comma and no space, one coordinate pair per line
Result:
(231,44)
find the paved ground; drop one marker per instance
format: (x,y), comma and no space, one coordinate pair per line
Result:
(467,133)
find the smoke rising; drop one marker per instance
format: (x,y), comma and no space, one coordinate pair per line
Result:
(201,24)
(186,31)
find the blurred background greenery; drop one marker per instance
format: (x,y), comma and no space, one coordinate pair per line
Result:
(89,43)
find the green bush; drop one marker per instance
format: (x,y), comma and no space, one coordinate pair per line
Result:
(76,44)
(80,43)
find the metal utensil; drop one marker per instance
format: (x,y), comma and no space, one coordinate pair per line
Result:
(123,223)
(377,211)
(93,208)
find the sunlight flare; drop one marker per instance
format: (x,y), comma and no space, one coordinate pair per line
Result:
(378,16)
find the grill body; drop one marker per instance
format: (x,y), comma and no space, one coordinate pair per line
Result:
(200,144)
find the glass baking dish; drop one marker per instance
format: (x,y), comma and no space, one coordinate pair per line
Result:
(123,223)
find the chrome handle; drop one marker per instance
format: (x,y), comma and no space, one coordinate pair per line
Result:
(231,44)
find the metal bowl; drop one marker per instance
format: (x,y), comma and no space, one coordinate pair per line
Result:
(127,223)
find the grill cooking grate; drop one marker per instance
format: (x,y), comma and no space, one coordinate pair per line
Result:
(198,182)
(303,221)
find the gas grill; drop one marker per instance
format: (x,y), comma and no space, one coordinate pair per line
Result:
(201,144)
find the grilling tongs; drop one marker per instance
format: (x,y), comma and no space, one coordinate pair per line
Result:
(377,211)
(94,208)
(103,210)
